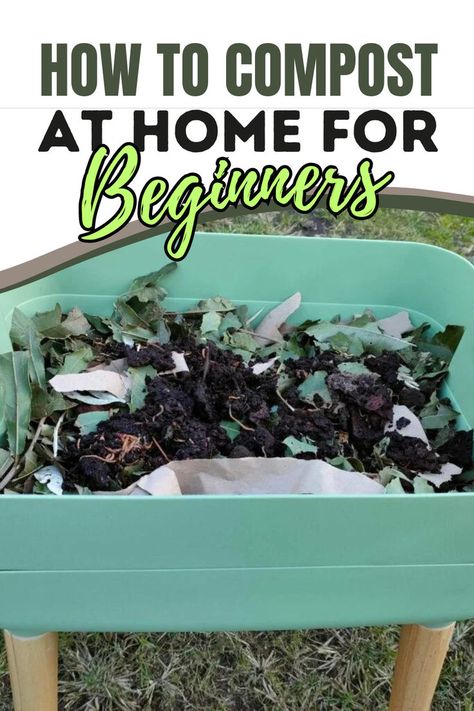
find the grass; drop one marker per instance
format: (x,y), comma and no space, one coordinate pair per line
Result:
(448,231)
(347,670)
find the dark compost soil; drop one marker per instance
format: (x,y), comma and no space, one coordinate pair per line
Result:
(183,412)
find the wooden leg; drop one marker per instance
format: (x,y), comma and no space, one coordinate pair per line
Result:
(420,658)
(33,665)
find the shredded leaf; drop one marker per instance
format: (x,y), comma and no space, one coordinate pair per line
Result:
(300,446)
(15,379)
(315,384)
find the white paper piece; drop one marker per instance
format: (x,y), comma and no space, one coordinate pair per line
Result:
(267,330)
(160,482)
(51,477)
(396,325)
(104,381)
(119,365)
(260,368)
(94,398)
(180,365)
(258,475)
(413,429)
(179,362)
(447,472)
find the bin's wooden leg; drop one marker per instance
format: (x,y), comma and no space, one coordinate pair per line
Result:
(420,658)
(33,665)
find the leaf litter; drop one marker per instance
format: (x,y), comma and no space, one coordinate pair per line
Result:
(93,404)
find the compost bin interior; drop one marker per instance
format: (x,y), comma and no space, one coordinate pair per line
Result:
(250,562)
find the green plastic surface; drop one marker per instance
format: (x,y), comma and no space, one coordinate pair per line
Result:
(249,562)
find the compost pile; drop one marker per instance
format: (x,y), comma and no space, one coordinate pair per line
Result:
(92,403)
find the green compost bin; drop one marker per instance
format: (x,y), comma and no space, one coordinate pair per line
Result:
(204,563)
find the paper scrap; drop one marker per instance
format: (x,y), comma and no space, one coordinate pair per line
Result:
(260,368)
(268,328)
(51,477)
(447,472)
(396,325)
(104,381)
(413,429)
(119,365)
(180,365)
(160,482)
(253,475)
(94,397)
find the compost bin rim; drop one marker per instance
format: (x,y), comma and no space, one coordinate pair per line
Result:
(238,497)
(45,266)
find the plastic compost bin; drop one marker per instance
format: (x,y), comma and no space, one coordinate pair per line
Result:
(203,563)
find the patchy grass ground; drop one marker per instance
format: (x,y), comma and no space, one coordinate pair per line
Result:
(324,670)
(346,670)
(448,231)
